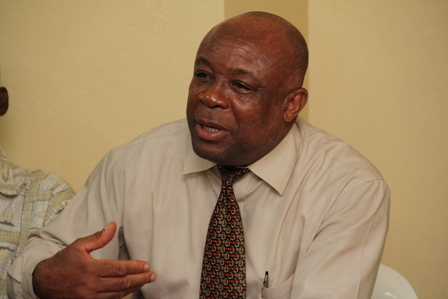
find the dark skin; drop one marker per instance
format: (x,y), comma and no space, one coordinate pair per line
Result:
(244,97)
(73,273)
(4,101)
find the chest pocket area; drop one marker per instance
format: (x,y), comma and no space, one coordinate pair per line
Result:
(282,291)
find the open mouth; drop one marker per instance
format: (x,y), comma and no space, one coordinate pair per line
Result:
(209,129)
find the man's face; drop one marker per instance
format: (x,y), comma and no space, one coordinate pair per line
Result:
(236,101)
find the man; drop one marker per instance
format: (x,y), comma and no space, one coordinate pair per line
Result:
(314,212)
(29,199)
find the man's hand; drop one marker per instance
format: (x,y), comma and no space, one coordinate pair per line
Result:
(73,273)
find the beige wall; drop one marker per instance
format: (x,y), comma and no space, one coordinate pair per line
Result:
(86,75)
(379,80)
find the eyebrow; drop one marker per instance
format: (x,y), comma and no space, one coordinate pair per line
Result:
(205,61)
(202,60)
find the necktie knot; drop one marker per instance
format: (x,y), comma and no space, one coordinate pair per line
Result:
(231,173)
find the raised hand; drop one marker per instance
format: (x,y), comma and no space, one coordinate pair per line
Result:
(73,273)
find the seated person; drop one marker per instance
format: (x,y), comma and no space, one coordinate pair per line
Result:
(243,199)
(29,199)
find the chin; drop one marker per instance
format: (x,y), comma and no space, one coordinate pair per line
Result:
(224,156)
(208,154)
(220,158)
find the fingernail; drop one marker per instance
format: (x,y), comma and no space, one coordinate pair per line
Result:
(146,267)
(107,226)
(153,277)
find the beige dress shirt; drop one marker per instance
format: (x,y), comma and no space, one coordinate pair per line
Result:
(315,215)
(29,199)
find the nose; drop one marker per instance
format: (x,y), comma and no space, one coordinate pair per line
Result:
(213,96)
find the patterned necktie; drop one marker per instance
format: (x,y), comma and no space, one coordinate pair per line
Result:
(224,264)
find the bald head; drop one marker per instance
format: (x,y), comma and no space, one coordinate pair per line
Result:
(281,41)
(246,90)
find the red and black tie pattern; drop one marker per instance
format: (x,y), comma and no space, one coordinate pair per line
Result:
(224,264)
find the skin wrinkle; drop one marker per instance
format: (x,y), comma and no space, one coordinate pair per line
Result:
(250,45)
(256,85)
(241,104)
(245,88)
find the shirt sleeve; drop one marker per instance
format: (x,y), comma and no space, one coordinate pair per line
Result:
(56,194)
(73,222)
(343,259)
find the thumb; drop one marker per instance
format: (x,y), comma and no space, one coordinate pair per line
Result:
(97,240)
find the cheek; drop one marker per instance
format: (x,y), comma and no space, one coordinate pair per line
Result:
(252,122)
(255,115)
(262,125)
(189,111)
(191,100)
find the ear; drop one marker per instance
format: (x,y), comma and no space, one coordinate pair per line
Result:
(295,102)
(4,101)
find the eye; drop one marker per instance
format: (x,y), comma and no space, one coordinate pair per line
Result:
(202,75)
(240,86)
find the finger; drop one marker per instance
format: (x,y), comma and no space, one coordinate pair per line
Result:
(126,284)
(114,268)
(97,240)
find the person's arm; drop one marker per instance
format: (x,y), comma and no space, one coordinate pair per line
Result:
(73,273)
(343,259)
(46,195)
(100,201)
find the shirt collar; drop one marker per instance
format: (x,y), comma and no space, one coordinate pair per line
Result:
(195,163)
(277,166)
(283,157)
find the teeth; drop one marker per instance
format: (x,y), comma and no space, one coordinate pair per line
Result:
(210,129)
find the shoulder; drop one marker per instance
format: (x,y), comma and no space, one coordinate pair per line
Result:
(165,143)
(335,175)
(157,137)
(321,150)
(42,194)
(50,193)
(48,187)
(15,180)
(49,182)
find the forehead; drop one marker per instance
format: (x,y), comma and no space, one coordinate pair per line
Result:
(233,52)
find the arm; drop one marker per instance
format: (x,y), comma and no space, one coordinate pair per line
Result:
(73,273)
(100,201)
(45,196)
(343,259)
